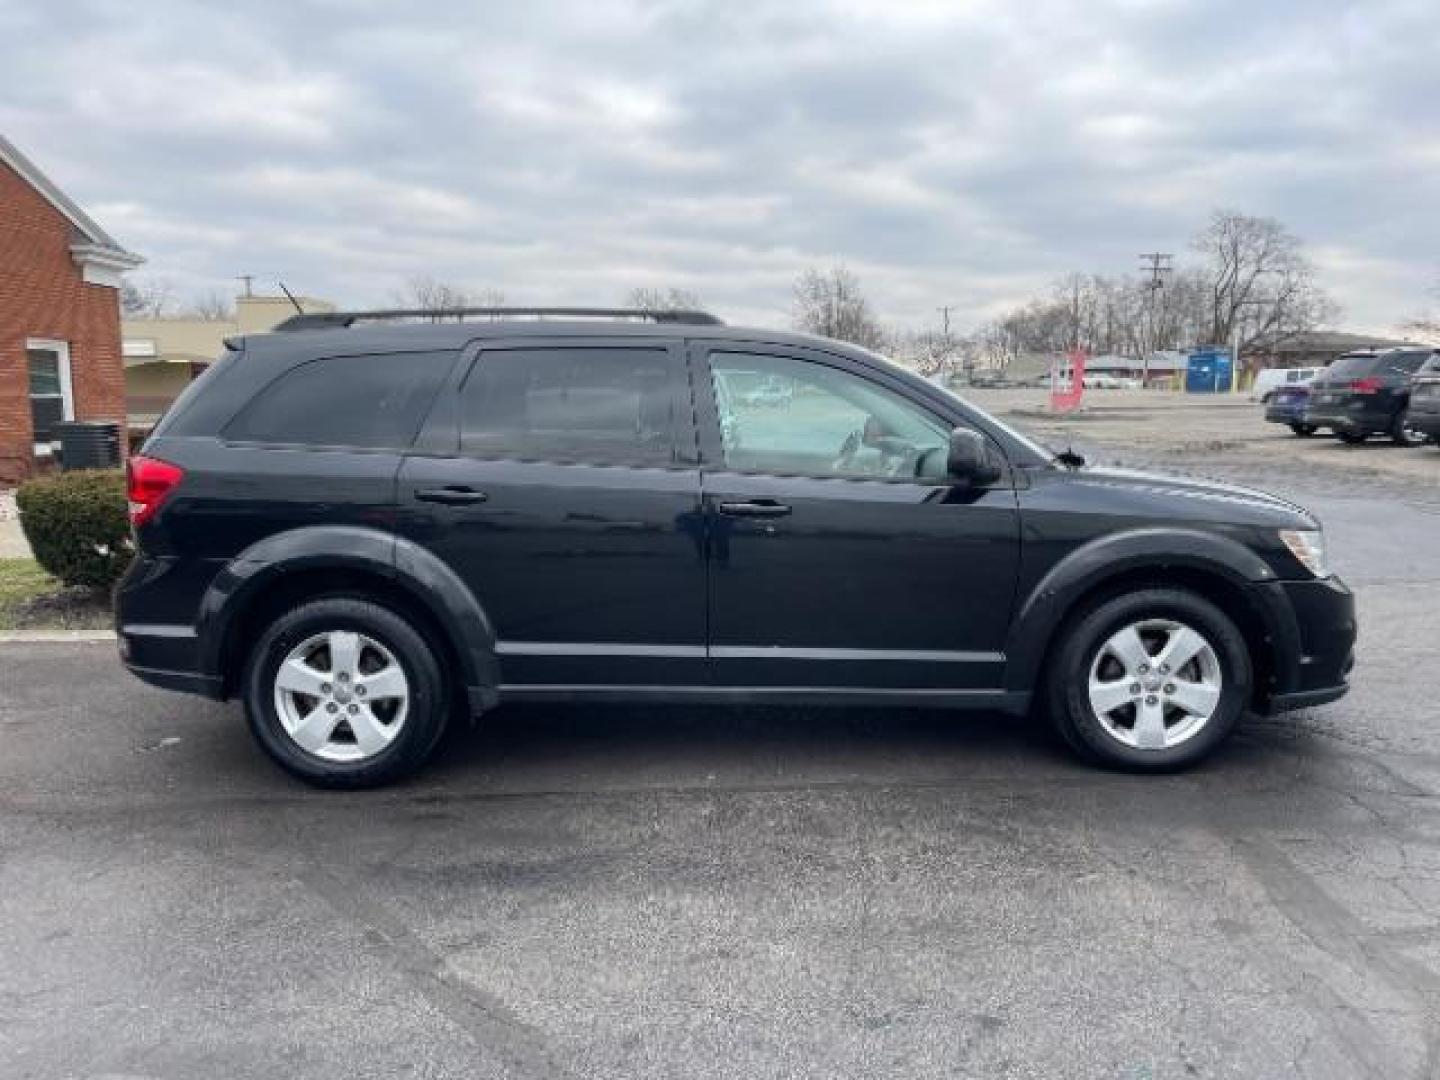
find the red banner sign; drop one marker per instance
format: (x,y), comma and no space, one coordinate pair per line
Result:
(1067,382)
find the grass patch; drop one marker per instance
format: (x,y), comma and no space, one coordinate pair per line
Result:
(32,600)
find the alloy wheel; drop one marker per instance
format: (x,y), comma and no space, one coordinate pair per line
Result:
(1155,684)
(341,696)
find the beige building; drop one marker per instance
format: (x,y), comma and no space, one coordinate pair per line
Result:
(162,355)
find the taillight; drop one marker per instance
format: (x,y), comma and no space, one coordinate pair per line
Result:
(149,483)
(1371,385)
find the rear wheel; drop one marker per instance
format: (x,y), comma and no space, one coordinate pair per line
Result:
(1149,681)
(1303,430)
(1406,435)
(345,693)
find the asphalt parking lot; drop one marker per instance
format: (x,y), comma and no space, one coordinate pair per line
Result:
(674,892)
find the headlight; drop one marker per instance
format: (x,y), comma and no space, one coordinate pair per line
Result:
(1307,545)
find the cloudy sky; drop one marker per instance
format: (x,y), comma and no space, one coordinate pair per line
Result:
(960,153)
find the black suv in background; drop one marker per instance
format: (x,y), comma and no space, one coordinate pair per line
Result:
(366,525)
(1367,393)
(1424,415)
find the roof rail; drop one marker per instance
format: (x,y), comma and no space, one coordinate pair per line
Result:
(322,320)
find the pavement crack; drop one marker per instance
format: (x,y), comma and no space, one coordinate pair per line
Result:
(484,1018)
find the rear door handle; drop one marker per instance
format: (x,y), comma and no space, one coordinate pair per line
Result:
(453,495)
(762,508)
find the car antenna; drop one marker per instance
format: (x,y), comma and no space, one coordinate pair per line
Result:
(291,297)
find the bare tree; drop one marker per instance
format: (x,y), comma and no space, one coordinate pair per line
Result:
(1427,324)
(1253,283)
(1261,287)
(831,304)
(659,300)
(146,298)
(213,306)
(425,293)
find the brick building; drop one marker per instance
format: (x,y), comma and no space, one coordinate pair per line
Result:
(59,315)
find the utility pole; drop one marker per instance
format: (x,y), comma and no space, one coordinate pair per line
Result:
(947,344)
(247,279)
(1159,264)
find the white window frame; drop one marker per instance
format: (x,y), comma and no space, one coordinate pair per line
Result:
(67,388)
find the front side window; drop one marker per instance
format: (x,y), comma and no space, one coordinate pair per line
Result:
(598,406)
(362,402)
(49,390)
(786,416)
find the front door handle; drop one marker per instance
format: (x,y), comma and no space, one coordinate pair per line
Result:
(761,508)
(453,495)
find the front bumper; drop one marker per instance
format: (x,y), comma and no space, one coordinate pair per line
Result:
(1316,652)
(1426,420)
(1287,413)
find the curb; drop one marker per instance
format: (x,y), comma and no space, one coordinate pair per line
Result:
(53,637)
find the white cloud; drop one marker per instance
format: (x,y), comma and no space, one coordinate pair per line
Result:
(566,150)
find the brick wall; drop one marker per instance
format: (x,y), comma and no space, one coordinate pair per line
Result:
(42,295)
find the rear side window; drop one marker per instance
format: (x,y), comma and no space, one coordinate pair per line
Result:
(181,404)
(1404,363)
(365,402)
(605,406)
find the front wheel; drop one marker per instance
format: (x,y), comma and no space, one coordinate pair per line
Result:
(1149,681)
(344,693)
(1304,430)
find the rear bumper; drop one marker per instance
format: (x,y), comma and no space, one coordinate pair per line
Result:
(158,644)
(1353,419)
(167,657)
(1314,656)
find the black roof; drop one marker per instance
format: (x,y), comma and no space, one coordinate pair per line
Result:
(361,337)
(317,320)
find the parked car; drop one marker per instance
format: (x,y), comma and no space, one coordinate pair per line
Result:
(1289,405)
(1272,379)
(1367,393)
(1424,414)
(365,528)
(772,394)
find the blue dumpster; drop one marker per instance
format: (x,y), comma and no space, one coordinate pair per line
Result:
(1209,371)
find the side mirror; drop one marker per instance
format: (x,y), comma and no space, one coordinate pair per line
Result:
(971,460)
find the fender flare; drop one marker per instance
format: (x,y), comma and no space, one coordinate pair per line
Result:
(424,577)
(1159,549)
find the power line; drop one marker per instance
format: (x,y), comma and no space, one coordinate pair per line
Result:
(1159,264)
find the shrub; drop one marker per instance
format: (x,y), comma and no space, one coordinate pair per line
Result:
(78,526)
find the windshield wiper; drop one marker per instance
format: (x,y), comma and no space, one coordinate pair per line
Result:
(1070,458)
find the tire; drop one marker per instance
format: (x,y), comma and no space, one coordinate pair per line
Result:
(389,740)
(1351,438)
(1405,435)
(1220,680)
(1304,430)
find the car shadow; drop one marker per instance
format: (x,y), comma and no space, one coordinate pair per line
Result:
(535,747)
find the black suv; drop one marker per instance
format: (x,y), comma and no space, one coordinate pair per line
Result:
(364,526)
(1424,415)
(1367,393)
